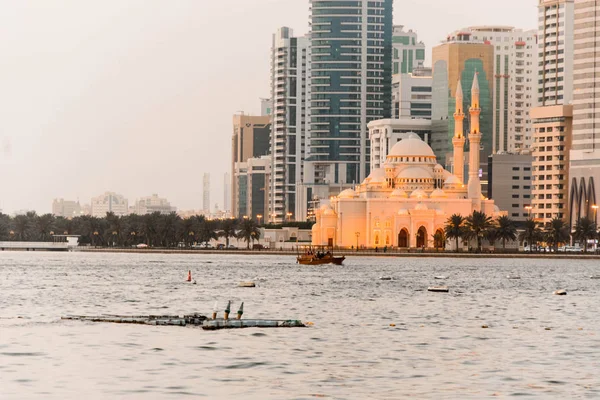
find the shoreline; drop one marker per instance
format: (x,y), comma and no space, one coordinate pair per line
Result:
(578,256)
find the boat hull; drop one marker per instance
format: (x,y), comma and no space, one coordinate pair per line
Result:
(310,260)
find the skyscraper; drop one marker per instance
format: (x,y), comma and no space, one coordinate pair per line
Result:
(585,148)
(351,80)
(206,193)
(289,91)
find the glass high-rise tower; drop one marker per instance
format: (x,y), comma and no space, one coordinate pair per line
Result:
(350,85)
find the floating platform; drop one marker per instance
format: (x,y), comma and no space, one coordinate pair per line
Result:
(216,324)
(438,289)
(192,319)
(162,320)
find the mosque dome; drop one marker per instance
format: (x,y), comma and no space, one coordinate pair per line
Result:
(399,193)
(438,194)
(415,172)
(419,194)
(412,146)
(452,180)
(376,176)
(403,211)
(329,212)
(347,194)
(438,167)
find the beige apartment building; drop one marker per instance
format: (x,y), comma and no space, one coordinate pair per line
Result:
(551,145)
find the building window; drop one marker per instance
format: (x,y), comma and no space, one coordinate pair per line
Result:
(515,196)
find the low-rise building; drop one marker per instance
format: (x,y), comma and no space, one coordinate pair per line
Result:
(510,183)
(66,208)
(152,204)
(109,202)
(252,182)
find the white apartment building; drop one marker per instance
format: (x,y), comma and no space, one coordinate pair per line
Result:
(290,96)
(411,94)
(408,52)
(66,208)
(109,202)
(555,52)
(152,204)
(385,133)
(584,167)
(515,74)
(227,192)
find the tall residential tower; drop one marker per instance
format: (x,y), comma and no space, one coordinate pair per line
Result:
(289,93)
(351,82)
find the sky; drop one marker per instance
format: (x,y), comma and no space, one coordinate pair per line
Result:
(137,96)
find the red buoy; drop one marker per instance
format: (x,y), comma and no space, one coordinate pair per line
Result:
(189,279)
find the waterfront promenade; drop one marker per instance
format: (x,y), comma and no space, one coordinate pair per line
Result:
(354,253)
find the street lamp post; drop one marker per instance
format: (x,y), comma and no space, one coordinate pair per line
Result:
(259,216)
(595,208)
(357,236)
(528,208)
(289,216)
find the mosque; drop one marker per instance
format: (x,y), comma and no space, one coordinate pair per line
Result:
(407,201)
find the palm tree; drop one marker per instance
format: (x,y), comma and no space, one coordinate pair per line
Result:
(556,232)
(477,226)
(249,231)
(227,230)
(584,231)
(44,224)
(506,229)
(21,227)
(530,233)
(439,238)
(454,228)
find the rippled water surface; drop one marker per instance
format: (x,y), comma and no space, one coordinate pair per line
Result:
(437,348)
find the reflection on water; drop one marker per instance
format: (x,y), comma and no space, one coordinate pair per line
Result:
(371,339)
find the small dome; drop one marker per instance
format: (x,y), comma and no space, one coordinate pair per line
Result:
(325,207)
(418,194)
(347,194)
(403,211)
(415,172)
(376,176)
(421,206)
(440,212)
(452,180)
(399,193)
(438,167)
(438,193)
(412,146)
(329,212)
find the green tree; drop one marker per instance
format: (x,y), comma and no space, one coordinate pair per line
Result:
(477,226)
(506,229)
(585,230)
(249,231)
(455,228)
(21,227)
(556,232)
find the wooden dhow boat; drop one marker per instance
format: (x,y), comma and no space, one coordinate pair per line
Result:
(318,256)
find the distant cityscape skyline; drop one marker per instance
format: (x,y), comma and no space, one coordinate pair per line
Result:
(155,89)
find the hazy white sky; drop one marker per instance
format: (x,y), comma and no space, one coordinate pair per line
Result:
(136,96)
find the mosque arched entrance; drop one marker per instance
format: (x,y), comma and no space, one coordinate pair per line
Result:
(439,239)
(403,238)
(422,237)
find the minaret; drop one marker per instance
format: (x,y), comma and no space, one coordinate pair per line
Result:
(458,141)
(474,143)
